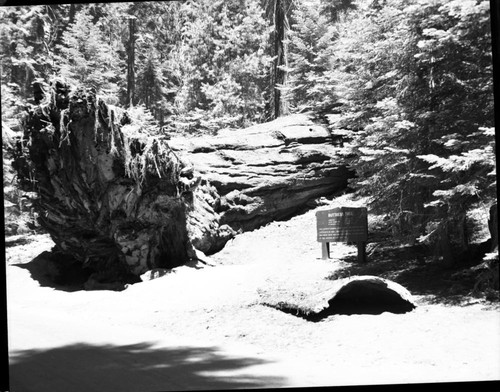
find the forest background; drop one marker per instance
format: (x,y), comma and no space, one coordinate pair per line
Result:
(409,83)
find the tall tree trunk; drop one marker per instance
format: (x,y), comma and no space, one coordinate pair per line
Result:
(281,62)
(72,13)
(333,9)
(131,63)
(493,227)
(276,105)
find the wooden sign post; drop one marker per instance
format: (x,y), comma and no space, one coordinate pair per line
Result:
(344,224)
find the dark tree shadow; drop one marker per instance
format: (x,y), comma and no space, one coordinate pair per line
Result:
(134,368)
(416,269)
(57,271)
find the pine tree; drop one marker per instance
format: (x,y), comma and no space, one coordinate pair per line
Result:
(25,58)
(25,48)
(85,57)
(220,64)
(311,44)
(314,29)
(416,77)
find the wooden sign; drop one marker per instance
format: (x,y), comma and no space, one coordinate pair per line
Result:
(344,224)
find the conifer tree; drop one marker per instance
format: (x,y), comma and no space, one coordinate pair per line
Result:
(86,58)
(277,12)
(416,81)
(310,51)
(25,48)
(220,62)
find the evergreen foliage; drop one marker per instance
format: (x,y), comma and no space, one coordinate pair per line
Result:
(311,45)
(25,54)
(86,58)
(416,79)
(221,64)
(413,78)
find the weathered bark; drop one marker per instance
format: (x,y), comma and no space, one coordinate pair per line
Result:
(131,63)
(109,199)
(263,173)
(493,227)
(276,12)
(280,51)
(122,203)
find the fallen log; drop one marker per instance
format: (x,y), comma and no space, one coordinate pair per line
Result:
(364,294)
(122,200)
(267,172)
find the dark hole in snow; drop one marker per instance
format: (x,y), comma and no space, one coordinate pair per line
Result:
(366,297)
(357,297)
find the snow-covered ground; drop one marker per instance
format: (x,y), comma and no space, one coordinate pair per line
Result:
(205,327)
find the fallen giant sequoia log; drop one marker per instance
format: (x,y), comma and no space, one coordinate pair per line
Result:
(354,295)
(259,174)
(122,202)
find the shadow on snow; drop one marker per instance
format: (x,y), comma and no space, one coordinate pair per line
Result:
(416,270)
(137,367)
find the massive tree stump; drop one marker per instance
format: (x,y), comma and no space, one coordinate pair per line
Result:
(108,194)
(123,201)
